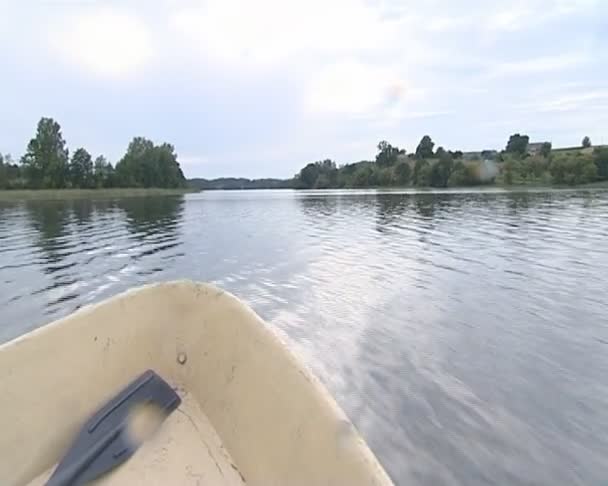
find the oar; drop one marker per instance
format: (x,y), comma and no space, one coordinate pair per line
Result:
(114,433)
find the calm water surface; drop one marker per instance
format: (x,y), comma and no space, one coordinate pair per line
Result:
(466,334)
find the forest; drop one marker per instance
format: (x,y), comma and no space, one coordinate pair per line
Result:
(47,164)
(520,163)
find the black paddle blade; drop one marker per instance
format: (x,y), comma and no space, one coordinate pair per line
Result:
(107,439)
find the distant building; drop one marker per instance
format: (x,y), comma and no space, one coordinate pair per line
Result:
(482,155)
(535,148)
(489,154)
(471,155)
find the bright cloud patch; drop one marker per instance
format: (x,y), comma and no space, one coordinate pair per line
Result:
(267,31)
(287,81)
(354,89)
(104,42)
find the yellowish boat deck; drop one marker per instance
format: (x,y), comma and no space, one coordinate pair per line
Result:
(186,450)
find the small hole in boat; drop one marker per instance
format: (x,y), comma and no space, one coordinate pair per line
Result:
(182,358)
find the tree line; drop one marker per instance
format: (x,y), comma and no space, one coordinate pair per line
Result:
(427,167)
(47,164)
(238,183)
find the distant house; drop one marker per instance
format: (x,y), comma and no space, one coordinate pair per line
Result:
(483,155)
(535,148)
(489,154)
(471,155)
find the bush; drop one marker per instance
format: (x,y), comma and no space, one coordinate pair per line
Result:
(403,173)
(600,158)
(570,170)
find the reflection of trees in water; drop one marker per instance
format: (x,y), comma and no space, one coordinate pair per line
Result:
(154,220)
(67,230)
(390,208)
(321,205)
(424,205)
(7,208)
(519,201)
(83,210)
(149,215)
(50,219)
(394,207)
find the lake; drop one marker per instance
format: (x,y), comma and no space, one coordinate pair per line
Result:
(464,333)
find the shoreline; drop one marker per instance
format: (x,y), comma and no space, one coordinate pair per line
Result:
(125,192)
(50,194)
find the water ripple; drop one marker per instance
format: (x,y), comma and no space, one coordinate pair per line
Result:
(464,332)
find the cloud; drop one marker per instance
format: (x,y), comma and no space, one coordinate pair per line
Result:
(353,88)
(449,24)
(106,42)
(270,31)
(512,19)
(589,100)
(539,65)
(494,20)
(262,87)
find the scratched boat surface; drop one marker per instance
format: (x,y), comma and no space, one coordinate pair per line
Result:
(250,412)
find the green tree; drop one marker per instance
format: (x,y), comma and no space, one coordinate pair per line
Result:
(545,150)
(384,177)
(307,177)
(364,176)
(573,170)
(3,175)
(321,174)
(586,142)
(518,144)
(600,158)
(403,173)
(169,171)
(387,154)
(537,166)
(425,148)
(462,175)
(441,171)
(147,165)
(81,169)
(10,173)
(46,159)
(508,171)
(103,172)
(422,173)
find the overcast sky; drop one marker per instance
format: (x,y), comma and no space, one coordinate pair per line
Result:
(261,87)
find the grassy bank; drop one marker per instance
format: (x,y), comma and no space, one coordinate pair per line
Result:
(11,195)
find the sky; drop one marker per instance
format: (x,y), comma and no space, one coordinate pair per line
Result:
(259,88)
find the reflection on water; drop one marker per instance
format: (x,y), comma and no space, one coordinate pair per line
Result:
(464,333)
(59,255)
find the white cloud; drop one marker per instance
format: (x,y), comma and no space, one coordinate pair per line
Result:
(539,65)
(447,24)
(353,88)
(343,71)
(518,16)
(103,41)
(514,18)
(269,31)
(576,101)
